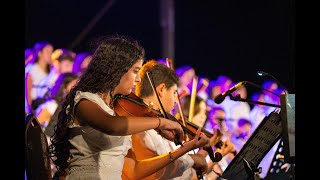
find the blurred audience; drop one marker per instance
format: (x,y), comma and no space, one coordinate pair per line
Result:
(64,64)
(258,111)
(81,62)
(239,109)
(199,116)
(241,133)
(61,88)
(40,68)
(186,74)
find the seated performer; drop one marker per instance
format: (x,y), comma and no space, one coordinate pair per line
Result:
(90,141)
(149,143)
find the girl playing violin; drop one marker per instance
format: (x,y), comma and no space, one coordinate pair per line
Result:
(90,141)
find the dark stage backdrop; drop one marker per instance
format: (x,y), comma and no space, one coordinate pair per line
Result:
(235,38)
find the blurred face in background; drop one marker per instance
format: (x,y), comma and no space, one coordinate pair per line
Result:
(45,54)
(245,131)
(200,118)
(70,85)
(65,66)
(187,77)
(85,63)
(218,118)
(242,91)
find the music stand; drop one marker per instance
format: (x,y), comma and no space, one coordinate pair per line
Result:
(243,166)
(286,150)
(287,113)
(276,170)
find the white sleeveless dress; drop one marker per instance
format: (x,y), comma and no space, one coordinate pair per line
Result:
(96,155)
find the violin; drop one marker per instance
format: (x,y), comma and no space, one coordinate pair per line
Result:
(132,105)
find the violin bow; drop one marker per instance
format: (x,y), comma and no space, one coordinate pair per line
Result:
(170,65)
(193,97)
(182,116)
(214,157)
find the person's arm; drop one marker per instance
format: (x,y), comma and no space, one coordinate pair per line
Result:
(226,148)
(143,168)
(28,90)
(90,113)
(43,116)
(200,162)
(45,111)
(217,135)
(215,172)
(149,144)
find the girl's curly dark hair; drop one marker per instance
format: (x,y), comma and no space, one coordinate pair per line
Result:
(112,58)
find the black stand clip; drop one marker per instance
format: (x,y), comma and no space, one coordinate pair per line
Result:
(251,170)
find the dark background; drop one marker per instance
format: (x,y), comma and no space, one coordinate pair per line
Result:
(230,37)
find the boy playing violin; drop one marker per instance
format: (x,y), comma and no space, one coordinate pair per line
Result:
(149,143)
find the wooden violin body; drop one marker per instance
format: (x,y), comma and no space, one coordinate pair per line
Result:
(132,105)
